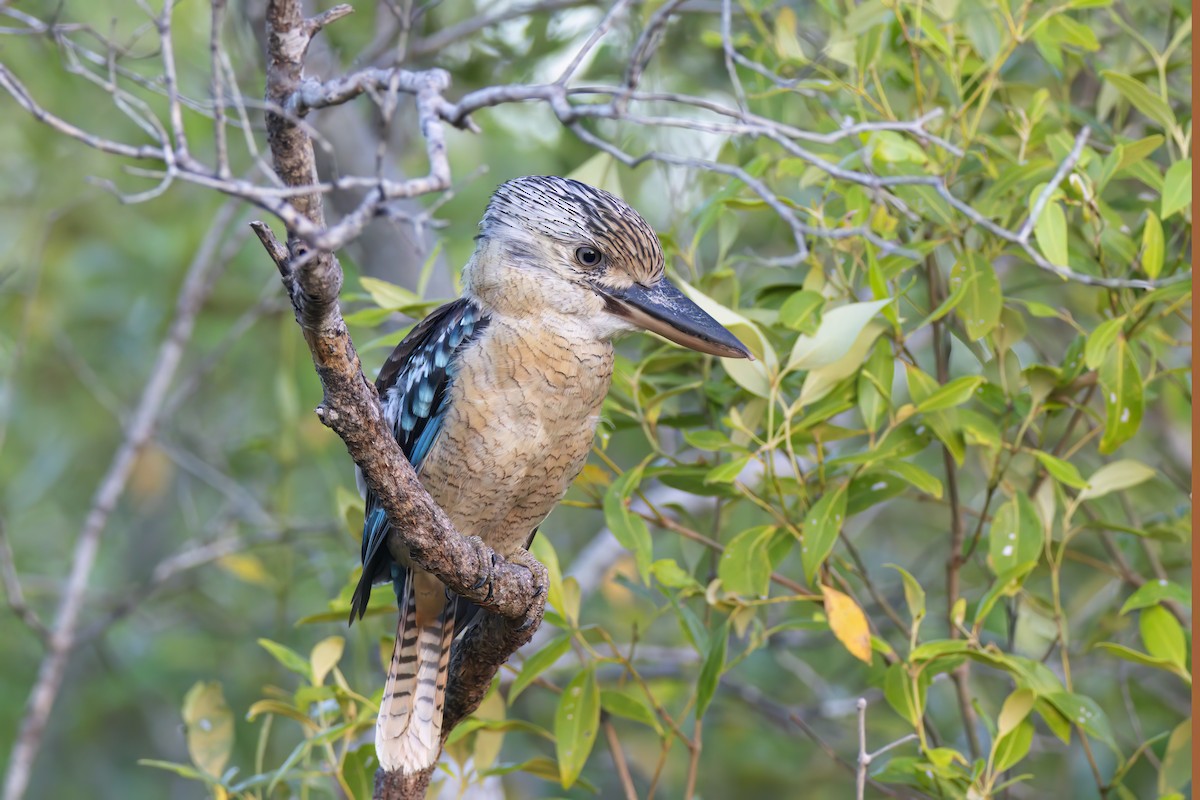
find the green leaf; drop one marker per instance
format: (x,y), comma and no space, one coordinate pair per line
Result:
(745,566)
(1062,471)
(1058,724)
(1051,233)
(1177,187)
(875,384)
(1015,536)
(978,429)
(357,770)
(575,724)
(802,311)
(1012,746)
(823,380)
(1154,246)
(1142,98)
(899,692)
(288,658)
(279,709)
(821,526)
(1014,711)
(980,307)
(916,477)
(954,393)
(1133,152)
(209,725)
(668,572)
(944,423)
(1115,477)
(938,648)
(1084,712)
(1007,583)
(914,595)
(1176,769)
(753,376)
(543,550)
(1152,592)
(710,672)
(1122,387)
(538,663)
(631,707)
(182,770)
(706,439)
(728,471)
(630,529)
(740,326)
(1137,657)
(835,336)
(388,295)
(1163,635)
(1101,340)
(958,293)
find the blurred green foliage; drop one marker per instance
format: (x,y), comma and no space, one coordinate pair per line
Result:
(955,485)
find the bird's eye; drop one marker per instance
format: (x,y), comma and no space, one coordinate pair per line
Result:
(588,256)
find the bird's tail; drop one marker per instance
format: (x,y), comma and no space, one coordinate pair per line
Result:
(409,729)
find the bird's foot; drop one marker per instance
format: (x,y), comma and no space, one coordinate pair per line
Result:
(488,556)
(541,581)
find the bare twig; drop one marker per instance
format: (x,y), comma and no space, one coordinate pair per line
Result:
(618,756)
(593,39)
(218,87)
(865,758)
(444,37)
(12,588)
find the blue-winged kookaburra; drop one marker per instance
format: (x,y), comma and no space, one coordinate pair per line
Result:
(494,399)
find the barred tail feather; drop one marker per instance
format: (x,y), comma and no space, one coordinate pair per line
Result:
(409,729)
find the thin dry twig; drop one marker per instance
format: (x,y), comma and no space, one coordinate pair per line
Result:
(865,758)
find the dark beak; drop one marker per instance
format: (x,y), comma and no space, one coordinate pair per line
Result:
(665,310)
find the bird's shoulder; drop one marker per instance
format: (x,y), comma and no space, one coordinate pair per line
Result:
(413,382)
(430,346)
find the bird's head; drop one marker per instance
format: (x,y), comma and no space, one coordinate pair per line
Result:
(551,244)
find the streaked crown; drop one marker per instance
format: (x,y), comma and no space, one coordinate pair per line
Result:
(576,216)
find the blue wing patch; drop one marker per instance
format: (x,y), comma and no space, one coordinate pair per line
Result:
(414,386)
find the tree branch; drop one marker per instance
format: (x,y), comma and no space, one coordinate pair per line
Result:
(421,531)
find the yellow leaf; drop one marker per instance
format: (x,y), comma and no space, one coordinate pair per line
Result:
(487,743)
(593,475)
(325,656)
(787,43)
(209,725)
(247,568)
(848,623)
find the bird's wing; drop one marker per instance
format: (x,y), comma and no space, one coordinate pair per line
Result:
(414,388)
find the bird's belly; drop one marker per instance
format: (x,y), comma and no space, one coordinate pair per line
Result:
(517,433)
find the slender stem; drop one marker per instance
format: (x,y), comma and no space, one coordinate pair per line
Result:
(614,746)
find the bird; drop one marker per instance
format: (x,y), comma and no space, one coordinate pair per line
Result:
(494,399)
